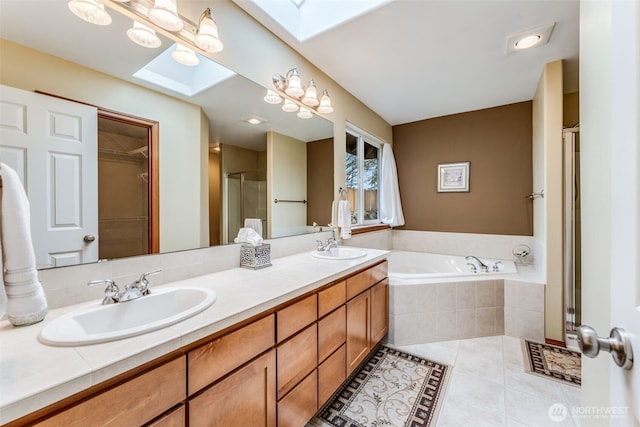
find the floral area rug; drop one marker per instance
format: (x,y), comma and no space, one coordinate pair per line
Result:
(552,362)
(391,388)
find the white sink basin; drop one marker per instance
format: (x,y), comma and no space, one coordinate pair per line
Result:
(102,323)
(340,253)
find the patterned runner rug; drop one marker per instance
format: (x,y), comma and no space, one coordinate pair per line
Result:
(391,388)
(552,362)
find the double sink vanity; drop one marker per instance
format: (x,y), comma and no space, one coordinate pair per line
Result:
(263,347)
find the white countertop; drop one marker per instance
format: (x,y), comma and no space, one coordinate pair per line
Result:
(34,375)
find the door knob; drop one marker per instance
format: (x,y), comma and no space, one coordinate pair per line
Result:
(618,344)
(89,238)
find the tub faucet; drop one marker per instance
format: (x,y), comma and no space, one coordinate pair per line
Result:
(483,267)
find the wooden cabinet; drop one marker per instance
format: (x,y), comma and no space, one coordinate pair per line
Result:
(213,360)
(134,402)
(247,397)
(276,370)
(296,358)
(331,373)
(379,311)
(299,406)
(357,330)
(175,418)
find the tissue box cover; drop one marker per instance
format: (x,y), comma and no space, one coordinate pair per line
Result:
(255,256)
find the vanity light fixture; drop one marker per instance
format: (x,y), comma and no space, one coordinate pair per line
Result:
(289,106)
(304,113)
(207,36)
(91,11)
(143,35)
(272,98)
(164,13)
(290,88)
(185,56)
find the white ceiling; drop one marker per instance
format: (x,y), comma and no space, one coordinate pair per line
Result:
(410,60)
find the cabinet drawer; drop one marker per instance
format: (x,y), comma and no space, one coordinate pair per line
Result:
(134,402)
(176,418)
(296,358)
(358,283)
(332,298)
(332,332)
(331,373)
(244,398)
(379,272)
(296,317)
(212,361)
(301,404)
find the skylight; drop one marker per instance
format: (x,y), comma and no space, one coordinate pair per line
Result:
(304,19)
(164,71)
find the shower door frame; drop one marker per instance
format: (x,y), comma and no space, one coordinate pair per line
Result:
(570,190)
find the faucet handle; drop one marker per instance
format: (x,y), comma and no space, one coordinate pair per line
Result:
(143,284)
(472,267)
(319,246)
(496,266)
(111,292)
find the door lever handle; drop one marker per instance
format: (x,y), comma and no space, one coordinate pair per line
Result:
(618,344)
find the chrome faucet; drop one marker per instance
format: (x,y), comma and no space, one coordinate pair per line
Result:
(330,244)
(483,267)
(133,291)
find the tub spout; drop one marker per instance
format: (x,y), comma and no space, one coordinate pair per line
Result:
(482,265)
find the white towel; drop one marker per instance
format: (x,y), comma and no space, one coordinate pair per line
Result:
(255,223)
(344,219)
(26,302)
(390,203)
(334,213)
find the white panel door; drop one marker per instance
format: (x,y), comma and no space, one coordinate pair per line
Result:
(53,145)
(610,137)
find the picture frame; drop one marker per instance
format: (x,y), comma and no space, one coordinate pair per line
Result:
(453,177)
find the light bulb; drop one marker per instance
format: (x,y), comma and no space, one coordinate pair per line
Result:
(325,103)
(311,95)
(304,113)
(164,13)
(207,37)
(185,56)
(294,84)
(91,11)
(143,35)
(289,106)
(272,98)
(528,41)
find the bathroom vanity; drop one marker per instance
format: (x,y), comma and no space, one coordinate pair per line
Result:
(272,349)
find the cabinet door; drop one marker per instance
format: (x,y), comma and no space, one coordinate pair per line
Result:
(379,311)
(300,404)
(245,398)
(134,402)
(358,335)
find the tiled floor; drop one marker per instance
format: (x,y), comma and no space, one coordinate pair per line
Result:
(488,385)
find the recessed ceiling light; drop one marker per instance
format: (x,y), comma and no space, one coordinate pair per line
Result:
(528,41)
(532,37)
(254,120)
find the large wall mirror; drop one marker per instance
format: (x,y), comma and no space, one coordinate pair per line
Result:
(214,170)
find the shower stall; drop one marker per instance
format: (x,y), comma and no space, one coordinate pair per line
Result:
(572,241)
(246,198)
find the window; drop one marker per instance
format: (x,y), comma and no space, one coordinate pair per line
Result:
(362,169)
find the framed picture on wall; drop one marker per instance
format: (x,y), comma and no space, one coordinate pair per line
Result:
(453,177)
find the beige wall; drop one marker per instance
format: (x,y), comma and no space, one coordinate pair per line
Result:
(570,109)
(289,182)
(319,172)
(180,127)
(497,142)
(548,211)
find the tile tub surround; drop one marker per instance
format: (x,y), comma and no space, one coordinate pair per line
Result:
(431,312)
(34,375)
